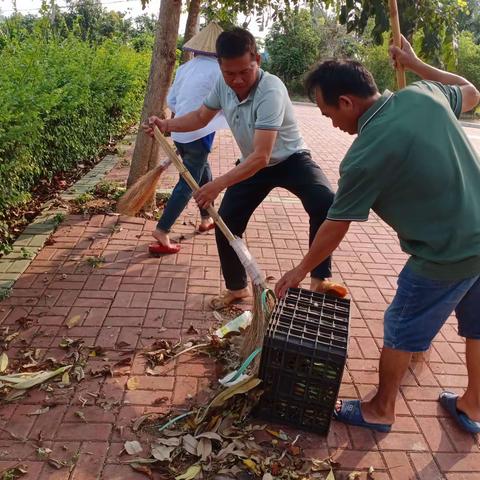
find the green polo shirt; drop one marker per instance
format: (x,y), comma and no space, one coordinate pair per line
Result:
(267,107)
(413,165)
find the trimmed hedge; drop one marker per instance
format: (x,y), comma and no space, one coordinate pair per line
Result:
(60,100)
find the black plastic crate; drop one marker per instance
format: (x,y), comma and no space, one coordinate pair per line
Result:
(303,358)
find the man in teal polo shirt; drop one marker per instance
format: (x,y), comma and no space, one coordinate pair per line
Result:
(260,115)
(413,165)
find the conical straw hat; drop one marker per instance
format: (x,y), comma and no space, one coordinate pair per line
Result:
(204,41)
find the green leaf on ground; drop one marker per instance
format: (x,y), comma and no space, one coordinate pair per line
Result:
(191,473)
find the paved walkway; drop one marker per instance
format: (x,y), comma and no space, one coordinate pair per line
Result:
(133,299)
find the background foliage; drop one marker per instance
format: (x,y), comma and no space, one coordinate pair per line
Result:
(301,37)
(66,89)
(73,78)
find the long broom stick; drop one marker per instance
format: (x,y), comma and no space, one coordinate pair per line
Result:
(397,41)
(133,200)
(401,83)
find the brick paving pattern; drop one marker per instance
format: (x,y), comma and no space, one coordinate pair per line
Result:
(133,299)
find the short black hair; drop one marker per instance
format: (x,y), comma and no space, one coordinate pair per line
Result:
(340,77)
(235,43)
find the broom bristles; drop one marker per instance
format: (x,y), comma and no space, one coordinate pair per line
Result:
(140,192)
(256,331)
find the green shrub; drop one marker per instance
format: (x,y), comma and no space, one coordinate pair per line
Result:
(377,60)
(60,100)
(292,47)
(469,58)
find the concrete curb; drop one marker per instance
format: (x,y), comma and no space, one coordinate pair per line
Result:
(470,124)
(304,104)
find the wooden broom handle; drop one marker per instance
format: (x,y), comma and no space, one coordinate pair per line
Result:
(397,41)
(187,176)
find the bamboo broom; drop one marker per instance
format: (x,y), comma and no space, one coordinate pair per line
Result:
(144,188)
(141,191)
(401,83)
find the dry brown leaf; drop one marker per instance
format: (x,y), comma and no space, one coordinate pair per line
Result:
(306,468)
(133,447)
(204,448)
(150,371)
(15,472)
(3,362)
(190,444)
(191,473)
(224,452)
(172,433)
(242,387)
(210,435)
(14,395)
(139,421)
(280,434)
(294,450)
(66,378)
(142,469)
(352,476)
(81,415)
(252,466)
(78,373)
(56,463)
(39,378)
(169,442)
(40,411)
(142,461)
(320,465)
(10,337)
(240,454)
(330,475)
(133,383)
(162,452)
(371,473)
(72,321)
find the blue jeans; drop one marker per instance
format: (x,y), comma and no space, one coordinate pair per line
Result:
(195,159)
(422,305)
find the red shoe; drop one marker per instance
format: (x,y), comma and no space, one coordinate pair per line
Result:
(203,229)
(158,248)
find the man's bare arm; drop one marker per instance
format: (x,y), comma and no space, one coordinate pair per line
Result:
(327,239)
(407,57)
(186,123)
(264,141)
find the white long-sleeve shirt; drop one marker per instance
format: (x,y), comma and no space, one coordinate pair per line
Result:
(193,82)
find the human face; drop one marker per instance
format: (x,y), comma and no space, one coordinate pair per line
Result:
(343,116)
(240,73)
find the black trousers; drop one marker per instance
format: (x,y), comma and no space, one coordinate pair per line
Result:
(300,175)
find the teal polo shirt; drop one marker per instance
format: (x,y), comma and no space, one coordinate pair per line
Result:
(267,107)
(414,166)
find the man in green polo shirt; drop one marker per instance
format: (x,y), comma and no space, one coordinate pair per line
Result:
(413,165)
(260,115)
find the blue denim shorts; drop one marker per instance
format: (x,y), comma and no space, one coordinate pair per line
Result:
(421,306)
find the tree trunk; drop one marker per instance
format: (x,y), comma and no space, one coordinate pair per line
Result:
(191,28)
(146,152)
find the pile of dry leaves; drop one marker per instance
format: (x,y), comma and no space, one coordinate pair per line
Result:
(219,440)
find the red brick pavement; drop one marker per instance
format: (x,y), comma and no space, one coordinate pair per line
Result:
(133,298)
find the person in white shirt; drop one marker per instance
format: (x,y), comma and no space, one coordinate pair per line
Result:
(193,82)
